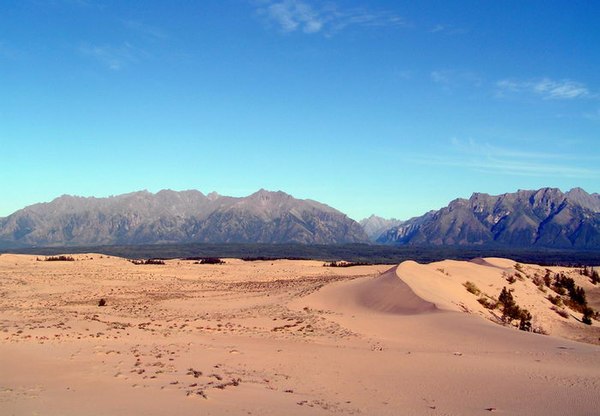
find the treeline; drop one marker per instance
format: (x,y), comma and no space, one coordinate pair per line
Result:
(591,273)
(210,260)
(148,261)
(368,253)
(57,258)
(346,264)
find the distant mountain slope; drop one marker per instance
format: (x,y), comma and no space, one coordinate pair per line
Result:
(374,226)
(545,218)
(178,217)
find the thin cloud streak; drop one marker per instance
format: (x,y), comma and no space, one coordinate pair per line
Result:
(451,79)
(471,147)
(303,16)
(501,161)
(545,88)
(595,116)
(145,30)
(114,58)
(513,168)
(447,30)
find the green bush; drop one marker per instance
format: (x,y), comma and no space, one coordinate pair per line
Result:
(487,302)
(555,300)
(472,288)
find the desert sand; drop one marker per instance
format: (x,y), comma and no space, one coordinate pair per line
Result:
(285,337)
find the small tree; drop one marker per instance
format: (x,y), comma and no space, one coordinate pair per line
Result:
(547,278)
(577,295)
(506,298)
(587,316)
(525,321)
(510,310)
(595,277)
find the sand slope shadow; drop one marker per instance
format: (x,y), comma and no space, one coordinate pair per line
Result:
(386,293)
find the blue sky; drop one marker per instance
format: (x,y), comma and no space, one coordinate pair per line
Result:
(384,107)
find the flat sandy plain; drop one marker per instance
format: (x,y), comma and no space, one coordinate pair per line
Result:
(284,337)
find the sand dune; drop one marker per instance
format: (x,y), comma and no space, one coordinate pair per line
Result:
(282,337)
(385,293)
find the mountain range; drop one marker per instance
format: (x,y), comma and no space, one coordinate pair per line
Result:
(374,225)
(544,218)
(178,217)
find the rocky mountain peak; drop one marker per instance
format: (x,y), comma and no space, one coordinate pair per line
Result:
(545,217)
(178,217)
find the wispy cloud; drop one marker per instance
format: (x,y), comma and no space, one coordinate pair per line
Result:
(312,17)
(293,15)
(404,74)
(592,115)
(145,30)
(450,79)
(486,158)
(440,77)
(114,58)
(546,88)
(447,30)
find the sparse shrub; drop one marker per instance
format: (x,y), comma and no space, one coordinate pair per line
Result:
(149,261)
(487,303)
(102,302)
(562,312)
(555,300)
(210,260)
(345,264)
(519,267)
(472,288)
(511,279)
(59,258)
(264,258)
(538,281)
